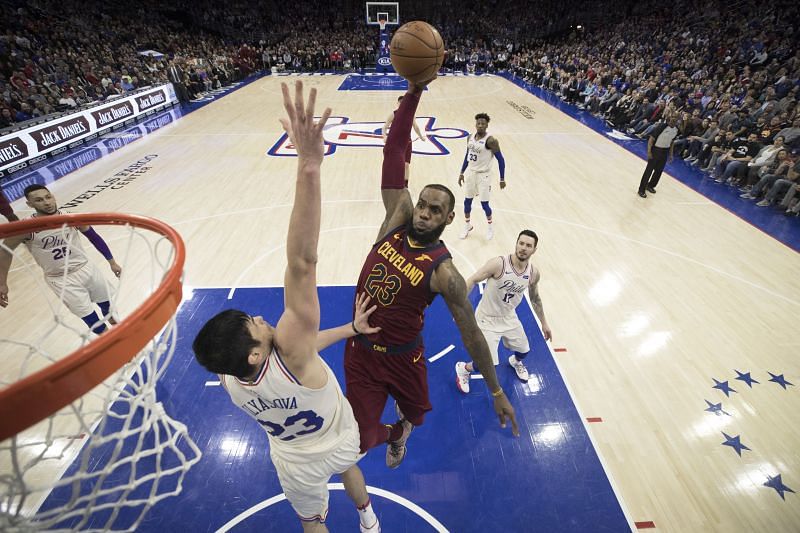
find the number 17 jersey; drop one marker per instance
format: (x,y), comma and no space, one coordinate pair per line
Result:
(397,276)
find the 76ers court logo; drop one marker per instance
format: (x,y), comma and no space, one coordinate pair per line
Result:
(339,132)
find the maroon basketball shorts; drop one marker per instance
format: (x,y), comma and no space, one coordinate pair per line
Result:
(408,152)
(371,376)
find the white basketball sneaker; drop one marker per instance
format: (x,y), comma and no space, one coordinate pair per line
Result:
(462,377)
(489,233)
(374,528)
(519,367)
(465,231)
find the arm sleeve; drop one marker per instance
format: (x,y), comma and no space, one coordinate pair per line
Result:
(501,162)
(464,164)
(98,242)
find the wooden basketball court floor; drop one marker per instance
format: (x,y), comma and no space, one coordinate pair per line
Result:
(653,304)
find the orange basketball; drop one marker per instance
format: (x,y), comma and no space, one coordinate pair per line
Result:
(417,51)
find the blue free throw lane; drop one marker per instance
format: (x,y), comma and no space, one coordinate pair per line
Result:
(461,468)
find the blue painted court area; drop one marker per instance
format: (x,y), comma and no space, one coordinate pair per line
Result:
(383,82)
(461,468)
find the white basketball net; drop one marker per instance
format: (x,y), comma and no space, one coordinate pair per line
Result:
(101,462)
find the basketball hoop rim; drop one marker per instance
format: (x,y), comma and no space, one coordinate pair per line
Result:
(39,395)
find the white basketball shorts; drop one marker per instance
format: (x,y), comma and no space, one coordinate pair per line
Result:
(506,329)
(306,485)
(477,184)
(79,289)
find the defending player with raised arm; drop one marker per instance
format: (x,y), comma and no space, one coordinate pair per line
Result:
(275,374)
(58,251)
(508,277)
(387,126)
(404,271)
(481,148)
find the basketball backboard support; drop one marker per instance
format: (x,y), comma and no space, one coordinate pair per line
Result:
(388,11)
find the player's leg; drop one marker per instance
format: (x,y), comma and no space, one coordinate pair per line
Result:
(484,189)
(465,368)
(470,191)
(356,489)
(407,379)
(516,340)
(408,163)
(71,290)
(366,394)
(306,489)
(98,292)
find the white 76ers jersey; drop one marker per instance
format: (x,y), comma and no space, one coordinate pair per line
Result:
(479,157)
(302,424)
(56,250)
(502,295)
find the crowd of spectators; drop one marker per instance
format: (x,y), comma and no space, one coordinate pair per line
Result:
(58,56)
(731,82)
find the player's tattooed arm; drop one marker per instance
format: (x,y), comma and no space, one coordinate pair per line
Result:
(448,281)
(536,303)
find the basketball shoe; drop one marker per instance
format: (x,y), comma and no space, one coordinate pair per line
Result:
(396,449)
(519,367)
(465,231)
(462,377)
(489,233)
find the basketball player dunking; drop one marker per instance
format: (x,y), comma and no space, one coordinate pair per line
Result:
(387,126)
(59,251)
(275,374)
(403,272)
(481,147)
(508,277)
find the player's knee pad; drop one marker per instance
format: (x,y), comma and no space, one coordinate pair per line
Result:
(467,205)
(521,355)
(486,208)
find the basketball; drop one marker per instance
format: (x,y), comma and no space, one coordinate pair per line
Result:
(417,51)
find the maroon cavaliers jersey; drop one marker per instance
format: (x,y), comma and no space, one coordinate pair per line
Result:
(397,277)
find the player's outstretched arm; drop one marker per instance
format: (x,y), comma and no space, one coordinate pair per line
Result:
(101,246)
(494,145)
(396,199)
(359,325)
(6,256)
(536,303)
(297,328)
(448,281)
(492,269)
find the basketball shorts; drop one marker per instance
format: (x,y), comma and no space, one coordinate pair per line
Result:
(408,152)
(477,184)
(507,330)
(79,289)
(306,484)
(372,376)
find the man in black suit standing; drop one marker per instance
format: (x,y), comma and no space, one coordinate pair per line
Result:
(175,75)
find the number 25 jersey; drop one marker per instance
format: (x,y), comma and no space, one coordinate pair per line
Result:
(397,276)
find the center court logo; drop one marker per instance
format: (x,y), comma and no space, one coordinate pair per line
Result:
(340,132)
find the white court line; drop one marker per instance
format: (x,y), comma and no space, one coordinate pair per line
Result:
(442,353)
(213,383)
(656,248)
(271,250)
(611,481)
(475,376)
(411,506)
